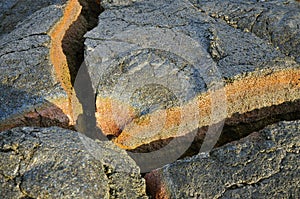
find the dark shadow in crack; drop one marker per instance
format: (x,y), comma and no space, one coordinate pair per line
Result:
(235,128)
(73,47)
(73,41)
(86,121)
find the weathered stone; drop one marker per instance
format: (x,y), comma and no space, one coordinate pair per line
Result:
(58,163)
(263,165)
(14,12)
(276,21)
(201,69)
(27,75)
(35,63)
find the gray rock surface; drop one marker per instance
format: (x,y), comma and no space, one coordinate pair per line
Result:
(15,12)
(181,52)
(263,165)
(38,59)
(58,163)
(276,21)
(154,58)
(27,77)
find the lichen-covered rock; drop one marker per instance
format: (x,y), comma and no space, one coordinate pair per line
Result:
(263,165)
(162,69)
(58,163)
(35,70)
(28,80)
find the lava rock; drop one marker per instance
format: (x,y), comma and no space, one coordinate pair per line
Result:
(27,75)
(163,69)
(58,163)
(35,79)
(263,165)
(275,21)
(15,12)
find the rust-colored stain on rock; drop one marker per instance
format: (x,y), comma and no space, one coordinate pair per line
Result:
(71,13)
(243,95)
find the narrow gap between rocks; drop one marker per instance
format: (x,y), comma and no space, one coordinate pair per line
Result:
(73,41)
(67,47)
(236,127)
(242,125)
(73,47)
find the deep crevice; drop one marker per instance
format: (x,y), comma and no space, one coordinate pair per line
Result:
(109,172)
(236,127)
(73,41)
(73,48)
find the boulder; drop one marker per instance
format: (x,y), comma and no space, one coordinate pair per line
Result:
(58,163)
(275,21)
(263,165)
(36,66)
(163,69)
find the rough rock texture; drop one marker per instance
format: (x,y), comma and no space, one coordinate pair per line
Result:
(262,165)
(56,163)
(35,76)
(276,21)
(158,66)
(155,70)
(27,77)
(14,12)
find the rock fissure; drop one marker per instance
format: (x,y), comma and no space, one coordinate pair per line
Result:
(108,173)
(73,48)
(65,55)
(260,76)
(269,119)
(26,195)
(213,177)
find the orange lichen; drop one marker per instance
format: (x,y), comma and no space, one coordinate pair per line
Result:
(58,58)
(112,115)
(58,109)
(243,95)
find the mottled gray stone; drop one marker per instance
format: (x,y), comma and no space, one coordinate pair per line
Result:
(236,53)
(57,163)
(27,76)
(14,12)
(107,4)
(276,21)
(263,165)
(139,45)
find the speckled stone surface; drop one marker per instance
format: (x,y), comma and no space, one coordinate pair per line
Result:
(15,12)
(27,76)
(155,55)
(263,165)
(58,163)
(276,21)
